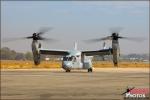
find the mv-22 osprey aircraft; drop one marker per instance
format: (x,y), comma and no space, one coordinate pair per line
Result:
(75,59)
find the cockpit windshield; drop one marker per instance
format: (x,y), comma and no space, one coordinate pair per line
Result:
(67,58)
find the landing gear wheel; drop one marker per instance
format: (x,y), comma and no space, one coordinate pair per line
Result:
(67,70)
(90,70)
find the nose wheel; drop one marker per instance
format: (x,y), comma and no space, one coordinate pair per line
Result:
(90,70)
(67,70)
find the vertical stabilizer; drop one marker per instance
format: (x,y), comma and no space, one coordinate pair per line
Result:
(75,46)
(104,45)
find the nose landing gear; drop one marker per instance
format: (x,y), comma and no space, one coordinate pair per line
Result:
(90,70)
(68,70)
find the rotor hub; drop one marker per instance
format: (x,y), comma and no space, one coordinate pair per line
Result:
(36,36)
(115,36)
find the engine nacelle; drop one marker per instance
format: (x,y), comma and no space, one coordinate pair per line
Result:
(36,52)
(115,47)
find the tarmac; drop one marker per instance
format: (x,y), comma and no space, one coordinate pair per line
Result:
(56,84)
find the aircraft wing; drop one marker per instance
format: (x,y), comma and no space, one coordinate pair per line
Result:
(54,52)
(98,52)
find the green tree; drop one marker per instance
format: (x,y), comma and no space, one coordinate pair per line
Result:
(20,56)
(28,56)
(7,54)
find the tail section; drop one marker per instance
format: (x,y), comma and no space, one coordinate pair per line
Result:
(75,46)
(104,45)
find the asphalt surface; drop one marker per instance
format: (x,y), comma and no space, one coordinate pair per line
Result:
(56,84)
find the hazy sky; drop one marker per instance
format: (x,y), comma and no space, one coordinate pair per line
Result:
(76,21)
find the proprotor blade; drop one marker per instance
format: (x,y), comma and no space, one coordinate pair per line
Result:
(44,30)
(135,39)
(98,39)
(13,39)
(29,37)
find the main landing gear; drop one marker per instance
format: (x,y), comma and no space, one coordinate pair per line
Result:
(90,70)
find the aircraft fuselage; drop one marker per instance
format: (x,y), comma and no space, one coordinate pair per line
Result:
(74,61)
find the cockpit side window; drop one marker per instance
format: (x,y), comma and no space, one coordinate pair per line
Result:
(78,56)
(65,58)
(69,58)
(74,59)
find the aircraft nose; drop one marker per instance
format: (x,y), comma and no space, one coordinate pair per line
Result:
(67,64)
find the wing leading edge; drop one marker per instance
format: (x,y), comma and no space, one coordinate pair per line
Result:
(98,52)
(87,53)
(54,52)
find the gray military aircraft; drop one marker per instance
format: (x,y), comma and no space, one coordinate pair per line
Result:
(75,59)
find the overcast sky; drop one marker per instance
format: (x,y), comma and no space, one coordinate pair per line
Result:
(76,21)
